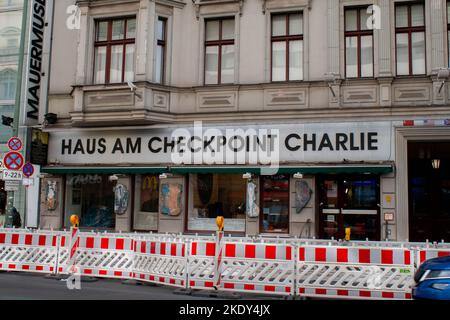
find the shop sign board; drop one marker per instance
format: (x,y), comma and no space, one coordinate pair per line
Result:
(289,143)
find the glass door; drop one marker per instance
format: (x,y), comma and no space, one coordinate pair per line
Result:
(275,204)
(349,202)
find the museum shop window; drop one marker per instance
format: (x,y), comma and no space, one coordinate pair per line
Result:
(146,203)
(275,204)
(213,195)
(91,197)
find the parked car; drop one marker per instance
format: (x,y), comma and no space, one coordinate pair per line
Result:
(432,280)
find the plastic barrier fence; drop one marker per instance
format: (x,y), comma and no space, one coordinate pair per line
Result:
(30,252)
(258,268)
(309,268)
(355,272)
(430,253)
(99,255)
(160,262)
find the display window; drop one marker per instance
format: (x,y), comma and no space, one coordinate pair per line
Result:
(213,195)
(91,197)
(147,203)
(275,204)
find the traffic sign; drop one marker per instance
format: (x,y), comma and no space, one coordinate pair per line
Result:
(13,161)
(12,175)
(15,144)
(28,170)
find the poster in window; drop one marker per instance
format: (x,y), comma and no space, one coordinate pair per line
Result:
(303,195)
(252,205)
(51,193)
(121,196)
(171,196)
(150,194)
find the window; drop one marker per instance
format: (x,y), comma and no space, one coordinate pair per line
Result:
(161,35)
(410,39)
(92,198)
(287,47)
(358,44)
(212,195)
(147,205)
(114,50)
(8,85)
(219,51)
(275,204)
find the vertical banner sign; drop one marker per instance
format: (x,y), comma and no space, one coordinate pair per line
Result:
(35,65)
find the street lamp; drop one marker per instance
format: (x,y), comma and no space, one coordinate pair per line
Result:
(436,163)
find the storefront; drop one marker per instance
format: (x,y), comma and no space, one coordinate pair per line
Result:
(294,179)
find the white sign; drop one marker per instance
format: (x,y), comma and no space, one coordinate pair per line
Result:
(12,175)
(28,182)
(293,143)
(12,185)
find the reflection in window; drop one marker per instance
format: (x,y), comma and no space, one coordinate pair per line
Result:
(219,51)
(114,50)
(410,39)
(8,85)
(275,204)
(92,198)
(361,194)
(212,195)
(287,47)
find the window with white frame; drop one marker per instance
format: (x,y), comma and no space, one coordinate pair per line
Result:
(287,46)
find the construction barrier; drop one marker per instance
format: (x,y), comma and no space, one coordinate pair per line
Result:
(162,262)
(258,268)
(98,255)
(275,266)
(31,252)
(354,272)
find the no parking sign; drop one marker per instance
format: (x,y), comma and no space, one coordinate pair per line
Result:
(15,144)
(28,170)
(13,161)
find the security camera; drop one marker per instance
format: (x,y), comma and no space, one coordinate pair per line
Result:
(247,176)
(298,175)
(165,176)
(331,77)
(442,75)
(132,86)
(113,178)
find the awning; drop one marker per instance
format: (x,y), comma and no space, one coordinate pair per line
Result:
(104,170)
(307,170)
(320,169)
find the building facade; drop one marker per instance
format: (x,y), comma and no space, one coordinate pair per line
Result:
(287,117)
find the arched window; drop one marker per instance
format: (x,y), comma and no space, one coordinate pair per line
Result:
(8,84)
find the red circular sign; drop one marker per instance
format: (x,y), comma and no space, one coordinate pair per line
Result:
(28,170)
(13,161)
(15,144)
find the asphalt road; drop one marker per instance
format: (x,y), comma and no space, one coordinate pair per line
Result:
(15,286)
(24,286)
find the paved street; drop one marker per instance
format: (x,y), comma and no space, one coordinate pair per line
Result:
(16,286)
(20,286)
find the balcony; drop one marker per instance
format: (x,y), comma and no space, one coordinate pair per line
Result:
(99,105)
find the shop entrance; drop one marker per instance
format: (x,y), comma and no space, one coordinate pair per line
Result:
(349,201)
(429,191)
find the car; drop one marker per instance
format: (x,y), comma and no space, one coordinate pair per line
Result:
(432,280)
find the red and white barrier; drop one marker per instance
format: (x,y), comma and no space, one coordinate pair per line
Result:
(26,251)
(258,268)
(160,262)
(431,253)
(200,266)
(99,256)
(354,272)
